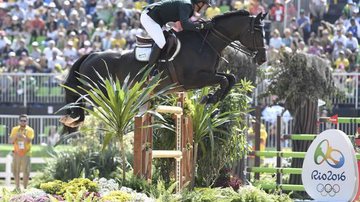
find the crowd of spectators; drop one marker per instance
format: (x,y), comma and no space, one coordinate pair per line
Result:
(48,36)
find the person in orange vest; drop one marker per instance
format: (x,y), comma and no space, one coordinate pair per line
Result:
(21,136)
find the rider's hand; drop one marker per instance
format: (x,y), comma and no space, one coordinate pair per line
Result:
(207,25)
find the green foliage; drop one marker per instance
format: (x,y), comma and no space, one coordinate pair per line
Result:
(117,196)
(300,76)
(238,64)
(5,195)
(53,187)
(222,133)
(163,194)
(115,103)
(209,195)
(73,187)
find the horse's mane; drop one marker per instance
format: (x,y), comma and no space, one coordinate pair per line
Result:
(231,13)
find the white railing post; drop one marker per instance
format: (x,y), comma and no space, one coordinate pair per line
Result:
(357,90)
(8,170)
(25,90)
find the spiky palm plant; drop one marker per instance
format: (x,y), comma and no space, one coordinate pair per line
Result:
(206,120)
(118,102)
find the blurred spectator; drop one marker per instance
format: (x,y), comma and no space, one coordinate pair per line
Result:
(48,51)
(4,52)
(212,11)
(100,30)
(38,26)
(35,51)
(303,23)
(106,41)
(70,51)
(121,18)
(315,48)
(104,12)
(22,48)
(18,12)
(224,6)
(12,63)
(119,41)
(325,42)
(351,42)
(140,5)
(287,40)
(342,63)
(56,60)
(277,16)
(318,9)
(3,39)
(276,41)
(312,38)
(86,49)
(353,28)
(339,38)
(256,8)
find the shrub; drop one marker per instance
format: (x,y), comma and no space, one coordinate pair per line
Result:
(74,186)
(116,196)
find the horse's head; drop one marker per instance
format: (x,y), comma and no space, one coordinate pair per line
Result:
(248,30)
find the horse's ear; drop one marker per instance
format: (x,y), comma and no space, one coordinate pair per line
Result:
(263,16)
(258,17)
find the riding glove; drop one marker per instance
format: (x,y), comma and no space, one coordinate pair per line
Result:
(207,25)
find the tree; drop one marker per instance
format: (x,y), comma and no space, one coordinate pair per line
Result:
(299,80)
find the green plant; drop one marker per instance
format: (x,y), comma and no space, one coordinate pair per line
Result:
(73,187)
(117,196)
(222,133)
(118,103)
(163,194)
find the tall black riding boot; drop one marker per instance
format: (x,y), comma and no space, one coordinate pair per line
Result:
(155,54)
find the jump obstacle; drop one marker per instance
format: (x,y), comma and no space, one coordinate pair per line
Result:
(279,170)
(143,144)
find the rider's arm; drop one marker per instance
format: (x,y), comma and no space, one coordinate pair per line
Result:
(185,12)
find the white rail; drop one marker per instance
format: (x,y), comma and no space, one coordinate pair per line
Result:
(8,175)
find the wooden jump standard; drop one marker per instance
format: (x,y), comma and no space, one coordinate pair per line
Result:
(143,143)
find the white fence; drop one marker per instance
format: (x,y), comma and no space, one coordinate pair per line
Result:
(8,171)
(41,125)
(286,129)
(38,88)
(35,88)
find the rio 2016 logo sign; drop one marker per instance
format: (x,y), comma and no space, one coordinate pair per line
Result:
(325,153)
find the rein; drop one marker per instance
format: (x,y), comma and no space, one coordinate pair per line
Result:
(235,44)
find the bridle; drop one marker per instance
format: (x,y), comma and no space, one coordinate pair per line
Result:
(236,44)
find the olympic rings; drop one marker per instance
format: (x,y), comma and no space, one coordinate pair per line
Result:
(328,189)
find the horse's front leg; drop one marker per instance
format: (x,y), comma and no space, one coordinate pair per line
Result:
(232,81)
(210,79)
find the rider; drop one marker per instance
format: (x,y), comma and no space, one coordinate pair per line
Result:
(156,15)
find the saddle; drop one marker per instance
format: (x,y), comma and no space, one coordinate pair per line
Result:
(143,48)
(144,45)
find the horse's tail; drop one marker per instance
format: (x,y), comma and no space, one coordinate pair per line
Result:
(71,79)
(71,97)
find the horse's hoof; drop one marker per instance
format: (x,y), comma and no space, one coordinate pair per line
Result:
(66,120)
(75,124)
(212,100)
(204,99)
(215,113)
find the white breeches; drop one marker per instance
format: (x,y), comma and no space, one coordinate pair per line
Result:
(153,29)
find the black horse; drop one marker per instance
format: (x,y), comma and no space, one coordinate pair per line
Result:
(195,64)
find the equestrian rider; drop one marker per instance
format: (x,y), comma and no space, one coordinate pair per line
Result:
(156,15)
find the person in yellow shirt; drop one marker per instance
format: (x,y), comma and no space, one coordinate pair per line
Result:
(21,136)
(139,5)
(119,41)
(251,137)
(212,12)
(342,62)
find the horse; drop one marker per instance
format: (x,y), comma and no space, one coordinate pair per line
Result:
(195,64)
